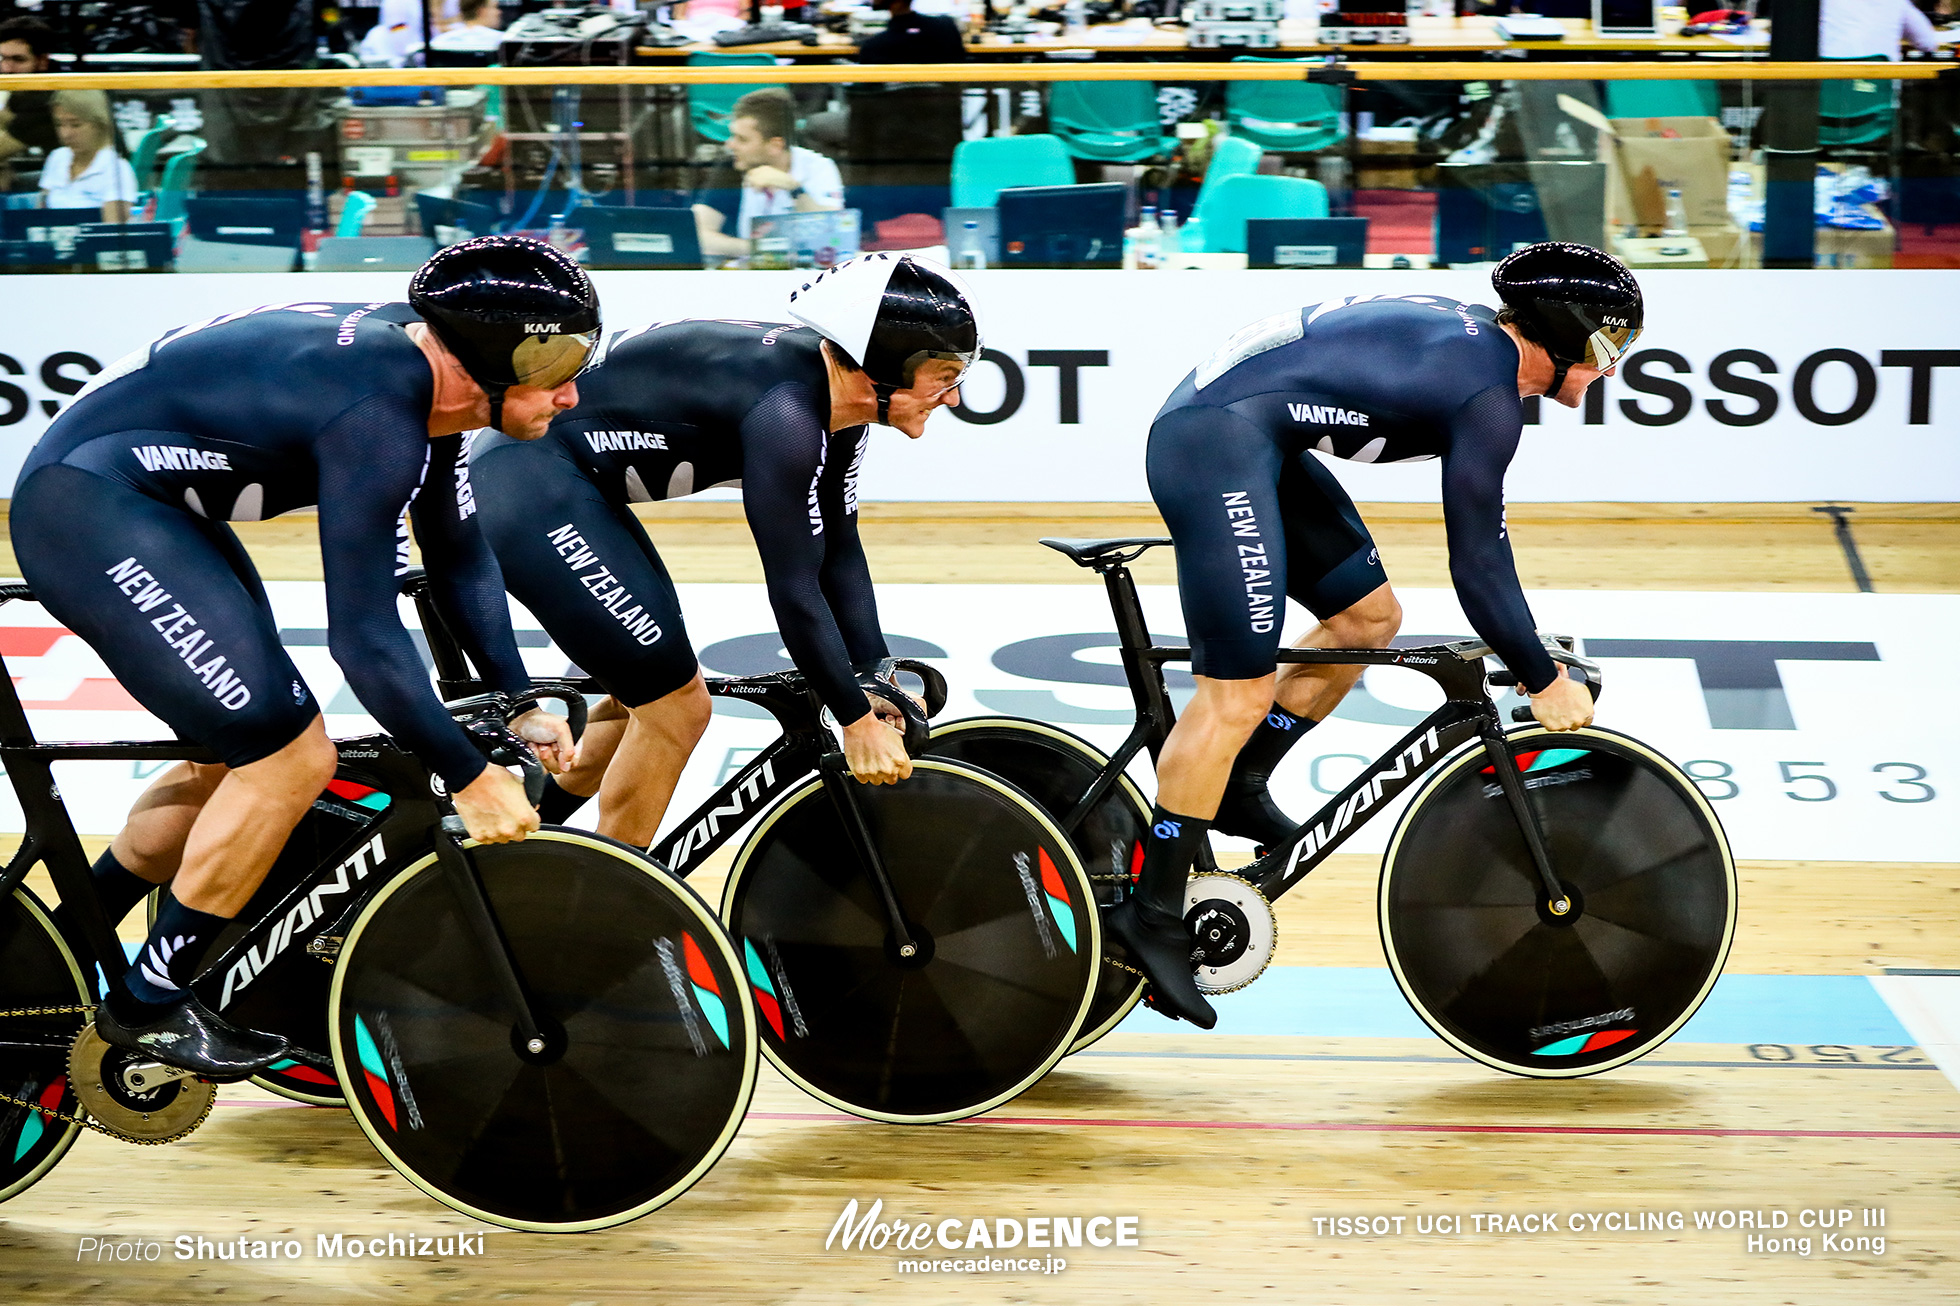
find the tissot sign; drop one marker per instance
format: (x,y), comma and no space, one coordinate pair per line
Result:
(1747,386)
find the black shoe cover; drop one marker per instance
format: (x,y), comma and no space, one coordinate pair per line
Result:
(1248,811)
(187,1035)
(1161,948)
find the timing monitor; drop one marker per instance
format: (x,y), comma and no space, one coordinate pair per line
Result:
(126,246)
(638,238)
(57,227)
(1063,226)
(1626,17)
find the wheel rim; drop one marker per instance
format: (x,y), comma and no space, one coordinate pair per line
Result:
(1494,973)
(39,971)
(1055,768)
(652,1058)
(996,996)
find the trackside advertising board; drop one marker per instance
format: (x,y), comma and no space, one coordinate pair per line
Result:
(1748,386)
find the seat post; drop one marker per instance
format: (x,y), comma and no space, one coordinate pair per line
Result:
(1146,678)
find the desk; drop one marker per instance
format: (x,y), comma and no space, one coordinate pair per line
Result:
(1138,38)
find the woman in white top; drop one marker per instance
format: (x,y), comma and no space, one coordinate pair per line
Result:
(86,172)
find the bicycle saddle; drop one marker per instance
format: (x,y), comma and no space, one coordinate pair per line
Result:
(1105,553)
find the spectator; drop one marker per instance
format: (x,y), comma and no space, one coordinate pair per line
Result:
(26,118)
(913,37)
(1858,29)
(480,30)
(777,177)
(86,171)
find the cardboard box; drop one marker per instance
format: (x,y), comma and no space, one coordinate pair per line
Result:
(1647,155)
(1838,248)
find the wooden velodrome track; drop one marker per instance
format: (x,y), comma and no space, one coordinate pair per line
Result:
(1227,1149)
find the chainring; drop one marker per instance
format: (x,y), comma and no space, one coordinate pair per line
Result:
(1234,929)
(100,1074)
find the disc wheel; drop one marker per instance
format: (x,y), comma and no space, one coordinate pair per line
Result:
(36,970)
(1008,944)
(1055,768)
(650,1055)
(1481,956)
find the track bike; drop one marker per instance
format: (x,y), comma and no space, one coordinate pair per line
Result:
(551,1035)
(918,952)
(1551,904)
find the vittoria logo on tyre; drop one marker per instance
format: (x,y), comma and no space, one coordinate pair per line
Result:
(1049,900)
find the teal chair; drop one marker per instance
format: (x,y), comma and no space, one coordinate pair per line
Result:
(1855,111)
(1231,156)
(985,167)
(708,107)
(1663,100)
(1223,209)
(354,213)
(1290,116)
(1115,122)
(144,161)
(176,184)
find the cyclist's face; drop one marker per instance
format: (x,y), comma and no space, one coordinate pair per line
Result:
(1576,380)
(934,385)
(528,410)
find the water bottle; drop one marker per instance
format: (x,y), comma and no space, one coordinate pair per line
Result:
(1149,236)
(1170,242)
(1075,15)
(972,254)
(1677,214)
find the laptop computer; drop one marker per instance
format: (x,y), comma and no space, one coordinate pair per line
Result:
(1305,242)
(126,247)
(987,224)
(819,239)
(638,238)
(246,221)
(1063,226)
(373,253)
(58,227)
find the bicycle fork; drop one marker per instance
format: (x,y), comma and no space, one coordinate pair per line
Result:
(1557,901)
(837,783)
(535,1037)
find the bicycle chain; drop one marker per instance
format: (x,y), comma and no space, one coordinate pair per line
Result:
(56,1112)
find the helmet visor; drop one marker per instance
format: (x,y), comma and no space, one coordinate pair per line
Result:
(1608,345)
(547,362)
(961,359)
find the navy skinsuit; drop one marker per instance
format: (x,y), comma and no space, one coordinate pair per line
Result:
(675,408)
(1256,516)
(119,522)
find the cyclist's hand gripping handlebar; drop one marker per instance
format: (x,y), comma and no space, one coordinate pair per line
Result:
(1560,649)
(917,729)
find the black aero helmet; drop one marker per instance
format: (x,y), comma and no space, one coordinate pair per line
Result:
(1583,306)
(514,311)
(889,314)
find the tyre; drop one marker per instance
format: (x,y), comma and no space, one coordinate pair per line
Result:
(1055,768)
(650,1055)
(1009,944)
(1486,963)
(37,969)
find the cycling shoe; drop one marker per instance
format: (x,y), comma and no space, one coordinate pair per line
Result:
(1161,947)
(187,1035)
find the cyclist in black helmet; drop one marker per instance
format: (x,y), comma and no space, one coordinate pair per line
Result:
(781,409)
(119,523)
(1257,519)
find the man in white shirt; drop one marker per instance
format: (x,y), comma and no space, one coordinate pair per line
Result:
(777,177)
(1857,29)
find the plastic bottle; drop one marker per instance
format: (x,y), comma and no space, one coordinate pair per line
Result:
(1075,14)
(1149,251)
(1676,223)
(1170,241)
(972,255)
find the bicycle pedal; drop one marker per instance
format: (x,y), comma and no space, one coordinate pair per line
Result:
(133,1097)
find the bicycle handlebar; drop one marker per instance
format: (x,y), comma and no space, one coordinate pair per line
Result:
(917,729)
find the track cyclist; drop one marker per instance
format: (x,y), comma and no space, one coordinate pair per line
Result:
(1256,519)
(782,409)
(120,519)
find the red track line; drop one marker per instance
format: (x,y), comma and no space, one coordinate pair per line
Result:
(1365,1127)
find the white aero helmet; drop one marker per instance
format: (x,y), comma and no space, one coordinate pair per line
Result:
(889,313)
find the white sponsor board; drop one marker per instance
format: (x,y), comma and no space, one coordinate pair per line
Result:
(1747,386)
(1819,724)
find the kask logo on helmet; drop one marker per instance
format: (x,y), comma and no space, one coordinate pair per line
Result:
(543,328)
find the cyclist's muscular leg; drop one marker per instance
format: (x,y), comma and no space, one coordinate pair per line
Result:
(239,830)
(1304,696)
(646,764)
